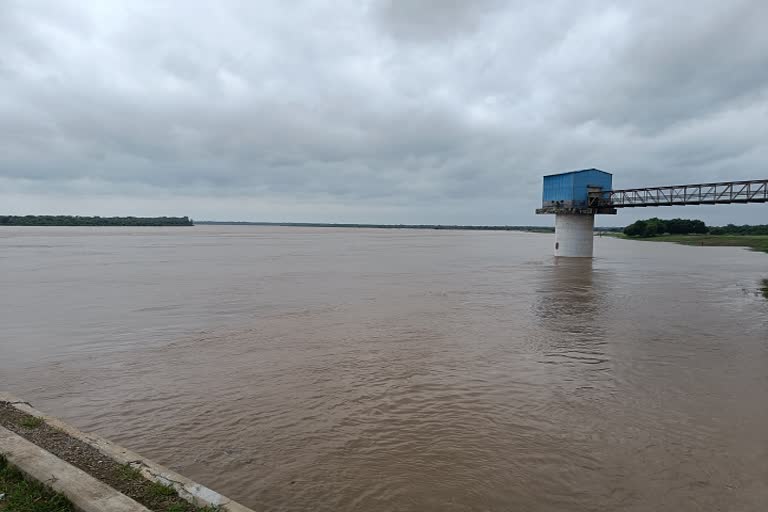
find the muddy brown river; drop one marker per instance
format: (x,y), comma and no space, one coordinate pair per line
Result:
(320,369)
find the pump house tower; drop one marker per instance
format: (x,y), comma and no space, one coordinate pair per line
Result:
(566,195)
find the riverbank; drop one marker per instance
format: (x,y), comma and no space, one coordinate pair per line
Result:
(753,242)
(123,478)
(39,450)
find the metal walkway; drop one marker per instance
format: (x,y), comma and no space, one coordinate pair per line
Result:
(754,191)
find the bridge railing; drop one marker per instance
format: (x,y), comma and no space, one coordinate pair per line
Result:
(753,191)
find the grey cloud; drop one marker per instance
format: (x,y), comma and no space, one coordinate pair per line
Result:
(684,64)
(381,111)
(423,20)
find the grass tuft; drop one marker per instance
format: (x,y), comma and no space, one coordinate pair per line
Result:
(157,490)
(191,508)
(129,474)
(31,422)
(764,288)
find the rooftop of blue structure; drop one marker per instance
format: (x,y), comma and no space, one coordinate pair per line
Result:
(581,170)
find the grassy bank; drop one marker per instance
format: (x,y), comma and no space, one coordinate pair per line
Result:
(754,242)
(22,495)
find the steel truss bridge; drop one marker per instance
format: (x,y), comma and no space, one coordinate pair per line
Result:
(753,191)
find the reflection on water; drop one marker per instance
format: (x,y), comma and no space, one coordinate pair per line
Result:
(570,304)
(321,369)
(568,295)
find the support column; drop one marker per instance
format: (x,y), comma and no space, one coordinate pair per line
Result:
(574,235)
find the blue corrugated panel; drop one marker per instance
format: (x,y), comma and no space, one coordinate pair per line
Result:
(558,187)
(570,189)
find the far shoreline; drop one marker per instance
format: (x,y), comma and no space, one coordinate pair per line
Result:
(95,220)
(530,229)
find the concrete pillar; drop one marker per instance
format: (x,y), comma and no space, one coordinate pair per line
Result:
(574,235)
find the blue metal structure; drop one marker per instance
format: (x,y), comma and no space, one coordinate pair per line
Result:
(571,189)
(576,197)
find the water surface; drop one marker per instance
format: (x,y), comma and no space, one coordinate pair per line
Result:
(379,370)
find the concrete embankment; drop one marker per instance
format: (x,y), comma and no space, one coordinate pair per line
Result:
(94,473)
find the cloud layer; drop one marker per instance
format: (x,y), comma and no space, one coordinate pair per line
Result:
(382,111)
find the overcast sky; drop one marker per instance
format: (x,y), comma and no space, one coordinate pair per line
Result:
(391,111)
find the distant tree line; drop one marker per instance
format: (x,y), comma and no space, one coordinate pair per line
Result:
(536,229)
(655,226)
(746,229)
(77,220)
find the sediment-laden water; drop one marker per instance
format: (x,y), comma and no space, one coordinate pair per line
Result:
(379,370)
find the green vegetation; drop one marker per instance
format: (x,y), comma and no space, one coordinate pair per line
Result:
(22,495)
(70,220)
(746,229)
(764,287)
(656,226)
(31,422)
(185,508)
(756,243)
(157,489)
(695,232)
(129,474)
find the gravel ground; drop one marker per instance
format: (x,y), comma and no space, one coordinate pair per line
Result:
(128,481)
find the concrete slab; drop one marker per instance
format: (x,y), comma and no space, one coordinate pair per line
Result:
(188,489)
(85,492)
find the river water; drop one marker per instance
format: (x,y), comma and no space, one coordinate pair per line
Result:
(396,370)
